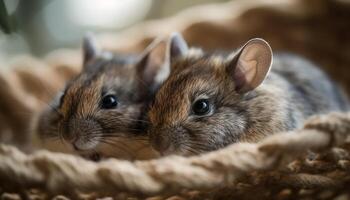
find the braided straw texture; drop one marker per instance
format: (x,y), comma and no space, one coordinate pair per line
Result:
(314,158)
(312,163)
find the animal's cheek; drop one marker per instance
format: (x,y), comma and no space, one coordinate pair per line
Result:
(208,131)
(194,126)
(109,116)
(197,141)
(196,131)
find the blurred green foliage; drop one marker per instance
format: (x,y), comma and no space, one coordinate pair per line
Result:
(7,22)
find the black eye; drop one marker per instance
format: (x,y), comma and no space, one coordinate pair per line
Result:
(109,102)
(201,107)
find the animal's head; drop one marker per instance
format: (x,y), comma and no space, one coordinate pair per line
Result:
(200,107)
(105,103)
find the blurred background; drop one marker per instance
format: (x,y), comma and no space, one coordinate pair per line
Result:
(40,26)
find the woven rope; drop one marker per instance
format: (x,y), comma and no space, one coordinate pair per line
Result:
(59,173)
(281,161)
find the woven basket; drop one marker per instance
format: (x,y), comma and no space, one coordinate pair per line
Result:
(311,163)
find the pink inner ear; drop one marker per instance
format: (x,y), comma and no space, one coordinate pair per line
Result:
(245,73)
(253,65)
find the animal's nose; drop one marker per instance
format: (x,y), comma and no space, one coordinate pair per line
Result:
(160,142)
(73,130)
(79,145)
(79,133)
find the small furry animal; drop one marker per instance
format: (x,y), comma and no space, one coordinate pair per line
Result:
(210,101)
(105,104)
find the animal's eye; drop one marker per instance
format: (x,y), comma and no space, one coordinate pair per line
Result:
(109,102)
(201,107)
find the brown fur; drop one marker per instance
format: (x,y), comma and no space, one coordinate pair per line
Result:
(292,91)
(76,116)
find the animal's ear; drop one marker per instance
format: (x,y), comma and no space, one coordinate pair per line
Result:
(250,65)
(153,66)
(177,46)
(90,49)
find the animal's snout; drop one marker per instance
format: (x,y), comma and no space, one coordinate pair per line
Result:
(166,140)
(82,133)
(160,142)
(82,144)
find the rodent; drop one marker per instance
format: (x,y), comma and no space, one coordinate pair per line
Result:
(212,100)
(101,111)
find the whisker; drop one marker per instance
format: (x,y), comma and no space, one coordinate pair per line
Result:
(135,120)
(118,146)
(189,149)
(122,137)
(194,147)
(111,130)
(127,119)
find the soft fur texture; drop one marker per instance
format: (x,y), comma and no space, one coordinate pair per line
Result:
(293,90)
(76,116)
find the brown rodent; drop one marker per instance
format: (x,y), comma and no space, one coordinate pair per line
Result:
(101,111)
(210,101)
